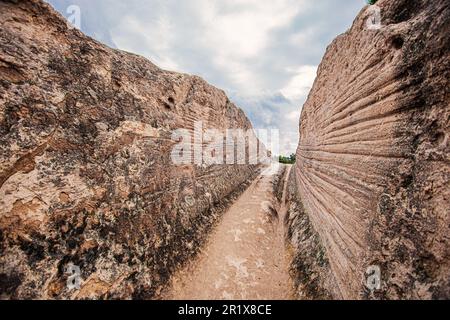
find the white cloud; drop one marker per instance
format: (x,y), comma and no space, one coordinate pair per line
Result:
(238,31)
(294,115)
(154,38)
(303,38)
(300,84)
(244,31)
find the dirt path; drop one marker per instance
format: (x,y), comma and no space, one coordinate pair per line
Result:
(245,256)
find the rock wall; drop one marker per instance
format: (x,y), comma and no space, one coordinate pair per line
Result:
(310,266)
(85,168)
(373,162)
(278,183)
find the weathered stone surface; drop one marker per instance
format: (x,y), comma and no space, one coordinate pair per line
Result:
(373,164)
(310,267)
(85,169)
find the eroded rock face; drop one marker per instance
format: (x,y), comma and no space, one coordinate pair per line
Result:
(373,168)
(310,266)
(85,168)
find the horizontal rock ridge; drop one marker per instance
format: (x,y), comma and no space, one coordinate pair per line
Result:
(373,159)
(86,176)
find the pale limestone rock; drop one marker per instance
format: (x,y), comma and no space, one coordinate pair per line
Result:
(373,170)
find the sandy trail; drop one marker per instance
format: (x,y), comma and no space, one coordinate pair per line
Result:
(245,256)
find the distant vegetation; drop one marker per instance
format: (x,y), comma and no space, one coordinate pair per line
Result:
(287,160)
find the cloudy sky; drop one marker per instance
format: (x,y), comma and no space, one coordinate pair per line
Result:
(263,53)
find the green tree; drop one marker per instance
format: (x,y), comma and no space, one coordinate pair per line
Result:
(292,158)
(287,160)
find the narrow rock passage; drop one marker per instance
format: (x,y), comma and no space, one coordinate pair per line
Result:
(245,256)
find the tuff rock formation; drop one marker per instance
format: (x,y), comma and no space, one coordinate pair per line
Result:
(85,168)
(372,179)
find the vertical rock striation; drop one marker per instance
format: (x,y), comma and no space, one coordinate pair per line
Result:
(85,170)
(373,162)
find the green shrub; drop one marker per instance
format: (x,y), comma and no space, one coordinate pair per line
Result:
(287,160)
